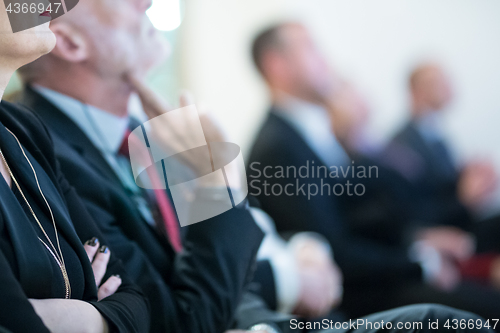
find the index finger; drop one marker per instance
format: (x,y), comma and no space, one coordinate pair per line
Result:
(91,246)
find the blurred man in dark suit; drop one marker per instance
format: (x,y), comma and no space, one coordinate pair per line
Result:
(446,197)
(390,202)
(298,170)
(459,191)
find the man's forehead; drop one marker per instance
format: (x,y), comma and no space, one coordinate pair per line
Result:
(294,30)
(428,72)
(434,72)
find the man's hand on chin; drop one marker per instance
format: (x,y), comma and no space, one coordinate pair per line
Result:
(185,130)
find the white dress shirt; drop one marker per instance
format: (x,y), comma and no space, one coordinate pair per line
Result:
(282,260)
(105,130)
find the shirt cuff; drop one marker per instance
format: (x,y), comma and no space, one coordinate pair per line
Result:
(286,280)
(282,261)
(427,257)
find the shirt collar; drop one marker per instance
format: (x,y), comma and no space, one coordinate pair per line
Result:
(312,123)
(105,130)
(430,127)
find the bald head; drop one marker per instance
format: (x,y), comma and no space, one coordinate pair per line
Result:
(430,89)
(288,59)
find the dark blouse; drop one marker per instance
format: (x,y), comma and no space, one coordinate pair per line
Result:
(27,269)
(72,262)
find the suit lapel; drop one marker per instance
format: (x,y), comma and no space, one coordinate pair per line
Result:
(70,133)
(65,128)
(417,142)
(296,140)
(438,161)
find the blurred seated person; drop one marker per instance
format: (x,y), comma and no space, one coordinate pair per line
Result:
(425,185)
(452,192)
(50,281)
(194,277)
(304,278)
(450,195)
(295,136)
(384,207)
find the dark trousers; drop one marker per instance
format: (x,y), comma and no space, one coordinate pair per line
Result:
(479,299)
(418,318)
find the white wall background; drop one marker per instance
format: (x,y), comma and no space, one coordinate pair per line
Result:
(374,43)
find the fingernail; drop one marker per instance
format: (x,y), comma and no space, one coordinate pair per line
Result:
(92,242)
(104,249)
(118,276)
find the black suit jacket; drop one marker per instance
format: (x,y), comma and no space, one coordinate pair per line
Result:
(196,291)
(365,263)
(126,310)
(433,187)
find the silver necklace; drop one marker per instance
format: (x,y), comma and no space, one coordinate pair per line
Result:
(55,252)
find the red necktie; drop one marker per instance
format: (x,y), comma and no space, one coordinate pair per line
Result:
(168,217)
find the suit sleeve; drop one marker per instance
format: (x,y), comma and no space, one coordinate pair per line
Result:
(264,285)
(127,309)
(210,276)
(16,312)
(200,289)
(449,211)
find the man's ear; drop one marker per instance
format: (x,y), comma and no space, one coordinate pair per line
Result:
(71,45)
